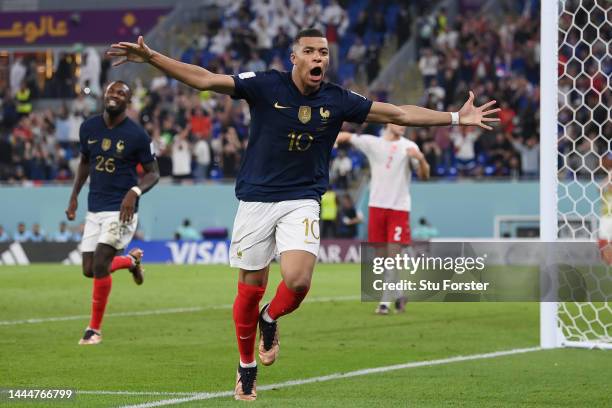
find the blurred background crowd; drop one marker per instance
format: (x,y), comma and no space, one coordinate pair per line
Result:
(201,136)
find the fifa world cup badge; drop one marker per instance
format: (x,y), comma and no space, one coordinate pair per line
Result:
(304,114)
(106,144)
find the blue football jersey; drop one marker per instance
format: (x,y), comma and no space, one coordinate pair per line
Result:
(113,156)
(291,135)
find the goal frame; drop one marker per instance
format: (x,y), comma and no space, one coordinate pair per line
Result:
(551,335)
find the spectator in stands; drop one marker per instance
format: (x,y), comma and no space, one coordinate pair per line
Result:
(341,169)
(530,156)
(22,235)
(232,152)
(424,231)
(403,24)
(464,139)
(428,65)
(329,214)
(202,154)
(37,235)
(63,234)
(181,156)
(4,236)
(348,218)
(186,232)
(17,75)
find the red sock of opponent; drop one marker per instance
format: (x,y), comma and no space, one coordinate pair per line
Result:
(285,301)
(246,315)
(101,290)
(121,262)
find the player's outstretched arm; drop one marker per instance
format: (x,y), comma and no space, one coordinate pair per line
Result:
(148,180)
(79,180)
(192,75)
(410,115)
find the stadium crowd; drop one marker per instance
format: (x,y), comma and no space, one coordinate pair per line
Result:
(201,135)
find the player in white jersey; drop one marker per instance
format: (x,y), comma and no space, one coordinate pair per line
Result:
(391,159)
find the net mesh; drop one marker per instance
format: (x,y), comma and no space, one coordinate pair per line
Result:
(585,159)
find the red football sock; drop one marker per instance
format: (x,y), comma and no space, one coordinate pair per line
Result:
(285,301)
(101,290)
(121,262)
(246,315)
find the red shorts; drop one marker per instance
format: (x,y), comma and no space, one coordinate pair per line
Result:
(385,225)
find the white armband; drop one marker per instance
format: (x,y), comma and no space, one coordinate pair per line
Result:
(137,190)
(454,118)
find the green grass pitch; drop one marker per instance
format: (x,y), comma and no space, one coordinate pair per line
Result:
(192,348)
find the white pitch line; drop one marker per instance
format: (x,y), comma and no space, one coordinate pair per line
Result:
(157,312)
(336,376)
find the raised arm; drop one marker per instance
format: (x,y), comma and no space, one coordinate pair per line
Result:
(410,115)
(192,75)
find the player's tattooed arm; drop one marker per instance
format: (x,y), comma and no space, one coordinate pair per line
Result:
(411,115)
(79,180)
(192,75)
(148,180)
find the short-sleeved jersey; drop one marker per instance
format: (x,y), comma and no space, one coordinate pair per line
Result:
(113,156)
(391,170)
(291,135)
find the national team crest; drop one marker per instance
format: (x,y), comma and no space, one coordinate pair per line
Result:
(304,114)
(324,113)
(120,146)
(106,144)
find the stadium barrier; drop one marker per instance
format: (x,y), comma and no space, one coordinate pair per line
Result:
(165,252)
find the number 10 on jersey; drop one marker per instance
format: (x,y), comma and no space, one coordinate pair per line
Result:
(300,142)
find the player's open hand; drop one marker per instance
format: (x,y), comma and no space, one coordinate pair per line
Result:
(130,52)
(471,115)
(128,206)
(71,210)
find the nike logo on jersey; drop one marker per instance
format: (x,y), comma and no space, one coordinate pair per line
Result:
(277,106)
(91,141)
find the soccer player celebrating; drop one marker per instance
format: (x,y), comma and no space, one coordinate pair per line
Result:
(112,145)
(391,159)
(295,118)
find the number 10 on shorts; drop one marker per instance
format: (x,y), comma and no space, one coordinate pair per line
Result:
(311,228)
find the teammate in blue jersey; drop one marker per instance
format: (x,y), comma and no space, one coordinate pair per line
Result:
(112,146)
(295,118)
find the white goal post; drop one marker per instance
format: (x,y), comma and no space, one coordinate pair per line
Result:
(567,113)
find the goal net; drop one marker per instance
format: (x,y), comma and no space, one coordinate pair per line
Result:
(581,168)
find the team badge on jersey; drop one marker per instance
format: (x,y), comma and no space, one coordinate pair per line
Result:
(304,114)
(324,113)
(120,146)
(106,144)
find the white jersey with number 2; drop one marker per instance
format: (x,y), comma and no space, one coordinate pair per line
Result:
(391,170)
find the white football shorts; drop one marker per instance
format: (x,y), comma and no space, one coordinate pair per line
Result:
(261,230)
(105,228)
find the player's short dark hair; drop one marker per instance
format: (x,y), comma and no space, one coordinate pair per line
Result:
(119,81)
(309,32)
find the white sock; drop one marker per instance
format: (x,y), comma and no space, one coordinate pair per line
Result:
(249,365)
(267,317)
